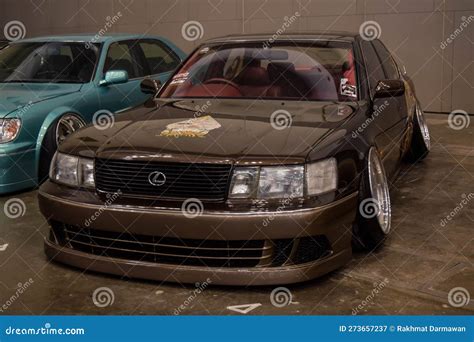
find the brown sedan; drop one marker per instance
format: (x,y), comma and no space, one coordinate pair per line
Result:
(258,162)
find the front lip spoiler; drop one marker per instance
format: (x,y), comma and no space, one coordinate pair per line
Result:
(193,274)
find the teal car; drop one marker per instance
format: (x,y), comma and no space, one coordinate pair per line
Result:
(53,86)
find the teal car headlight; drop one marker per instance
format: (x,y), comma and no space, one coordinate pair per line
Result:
(72,170)
(291,181)
(9,129)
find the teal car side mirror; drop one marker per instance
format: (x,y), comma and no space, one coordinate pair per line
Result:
(114,77)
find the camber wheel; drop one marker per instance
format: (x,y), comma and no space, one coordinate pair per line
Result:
(55,135)
(374,214)
(421,140)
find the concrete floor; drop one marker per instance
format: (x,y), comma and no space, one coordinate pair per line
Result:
(422,259)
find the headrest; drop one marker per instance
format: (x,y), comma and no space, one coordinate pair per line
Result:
(255,76)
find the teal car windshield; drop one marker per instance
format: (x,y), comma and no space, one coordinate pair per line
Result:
(55,62)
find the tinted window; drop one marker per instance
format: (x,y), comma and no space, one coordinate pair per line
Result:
(391,71)
(373,66)
(48,62)
(294,71)
(120,57)
(158,57)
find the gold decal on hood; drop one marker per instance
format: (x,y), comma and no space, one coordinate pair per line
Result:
(192,128)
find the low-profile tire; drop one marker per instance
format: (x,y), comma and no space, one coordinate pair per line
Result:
(373,220)
(421,141)
(55,135)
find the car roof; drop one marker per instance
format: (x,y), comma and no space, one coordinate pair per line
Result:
(314,35)
(86,38)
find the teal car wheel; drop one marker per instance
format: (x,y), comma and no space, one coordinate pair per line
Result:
(67,125)
(55,135)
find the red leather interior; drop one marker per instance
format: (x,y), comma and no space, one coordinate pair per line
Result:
(212,90)
(254,82)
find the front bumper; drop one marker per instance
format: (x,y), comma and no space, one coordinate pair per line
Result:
(18,169)
(73,208)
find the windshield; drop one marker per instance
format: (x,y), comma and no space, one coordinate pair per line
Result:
(57,62)
(322,71)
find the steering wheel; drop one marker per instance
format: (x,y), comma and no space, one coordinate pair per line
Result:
(223,80)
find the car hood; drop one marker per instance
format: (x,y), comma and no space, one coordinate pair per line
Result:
(15,96)
(238,131)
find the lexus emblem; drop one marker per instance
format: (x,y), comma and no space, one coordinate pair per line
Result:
(157,178)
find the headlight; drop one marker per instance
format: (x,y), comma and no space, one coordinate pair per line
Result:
(9,129)
(72,170)
(244,182)
(321,177)
(280,182)
(284,181)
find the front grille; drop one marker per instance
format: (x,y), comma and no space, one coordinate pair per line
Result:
(189,252)
(183,180)
(312,248)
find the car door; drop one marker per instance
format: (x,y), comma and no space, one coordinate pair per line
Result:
(385,111)
(123,55)
(159,60)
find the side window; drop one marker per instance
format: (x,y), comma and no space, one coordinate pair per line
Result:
(159,58)
(373,65)
(120,57)
(389,65)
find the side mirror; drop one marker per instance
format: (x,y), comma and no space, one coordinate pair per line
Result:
(150,86)
(388,88)
(114,77)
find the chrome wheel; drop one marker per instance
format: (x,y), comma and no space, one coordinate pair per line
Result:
(379,191)
(67,125)
(425,133)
